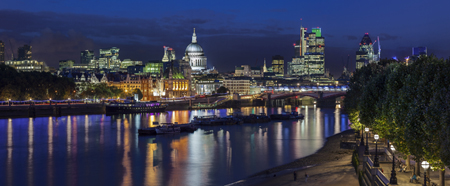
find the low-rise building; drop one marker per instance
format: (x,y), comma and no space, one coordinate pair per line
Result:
(128,84)
(256,72)
(28,65)
(237,85)
(66,64)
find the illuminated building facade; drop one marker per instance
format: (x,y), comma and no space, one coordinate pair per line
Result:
(243,70)
(2,52)
(28,65)
(128,62)
(237,85)
(86,56)
(207,85)
(64,64)
(153,68)
(152,88)
(278,65)
(24,53)
(128,84)
(171,84)
(365,53)
(194,54)
(256,72)
(309,57)
(109,58)
(169,54)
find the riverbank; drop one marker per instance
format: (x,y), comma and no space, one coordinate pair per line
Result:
(25,111)
(330,165)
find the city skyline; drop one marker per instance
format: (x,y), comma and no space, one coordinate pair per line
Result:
(230,37)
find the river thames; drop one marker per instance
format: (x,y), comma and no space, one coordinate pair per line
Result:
(106,150)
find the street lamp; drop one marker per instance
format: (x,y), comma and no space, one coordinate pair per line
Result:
(366,150)
(393,179)
(425,166)
(376,163)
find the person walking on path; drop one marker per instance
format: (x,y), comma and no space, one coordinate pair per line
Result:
(306,177)
(295,176)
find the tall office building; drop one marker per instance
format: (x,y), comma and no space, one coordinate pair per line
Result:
(418,51)
(24,53)
(110,57)
(309,57)
(169,54)
(2,52)
(278,65)
(86,56)
(365,53)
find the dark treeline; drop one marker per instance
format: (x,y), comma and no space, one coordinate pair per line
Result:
(407,104)
(33,85)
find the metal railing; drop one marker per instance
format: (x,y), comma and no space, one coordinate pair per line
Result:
(381,179)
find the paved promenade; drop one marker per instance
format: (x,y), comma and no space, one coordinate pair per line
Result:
(338,173)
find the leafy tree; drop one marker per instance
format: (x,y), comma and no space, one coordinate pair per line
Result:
(222,89)
(137,91)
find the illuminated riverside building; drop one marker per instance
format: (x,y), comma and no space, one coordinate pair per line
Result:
(128,84)
(152,89)
(237,85)
(194,54)
(171,84)
(365,53)
(28,65)
(309,60)
(207,84)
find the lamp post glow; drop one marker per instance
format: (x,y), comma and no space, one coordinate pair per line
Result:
(425,166)
(376,163)
(393,179)
(366,150)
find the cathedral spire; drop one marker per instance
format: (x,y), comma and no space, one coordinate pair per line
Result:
(194,37)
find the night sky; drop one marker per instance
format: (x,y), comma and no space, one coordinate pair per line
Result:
(232,33)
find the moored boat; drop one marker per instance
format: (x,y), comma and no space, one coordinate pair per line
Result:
(167,128)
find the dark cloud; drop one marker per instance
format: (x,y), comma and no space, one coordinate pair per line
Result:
(328,35)
(350,38)
(53,46)
(386,37)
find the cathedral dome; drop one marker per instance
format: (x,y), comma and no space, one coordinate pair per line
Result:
(194,48)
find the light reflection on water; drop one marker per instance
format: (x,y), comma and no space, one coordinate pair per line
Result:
(106,150)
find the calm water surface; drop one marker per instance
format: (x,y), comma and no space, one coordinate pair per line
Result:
(106,150)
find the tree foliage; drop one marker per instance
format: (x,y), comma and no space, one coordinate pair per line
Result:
(410,105)
(103,91)
(33,85)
